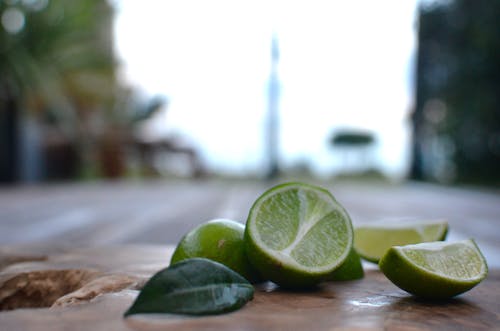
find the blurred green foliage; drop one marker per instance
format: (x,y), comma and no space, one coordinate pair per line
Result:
(457,114)
(60,59)
(352,138)
(57,67)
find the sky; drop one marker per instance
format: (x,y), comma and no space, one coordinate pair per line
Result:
(343,64)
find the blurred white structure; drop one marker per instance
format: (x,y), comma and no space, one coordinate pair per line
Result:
(341,64)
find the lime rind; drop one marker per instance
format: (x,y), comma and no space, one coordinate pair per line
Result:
(454,268)
(220,240)
(321,240)
(371,241)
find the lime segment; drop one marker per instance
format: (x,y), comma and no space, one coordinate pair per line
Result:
(297,234)
(435,270)
(371,241)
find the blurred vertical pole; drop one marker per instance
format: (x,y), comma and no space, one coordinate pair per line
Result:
(272,129)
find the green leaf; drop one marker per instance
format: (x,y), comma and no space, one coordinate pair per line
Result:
(195,287)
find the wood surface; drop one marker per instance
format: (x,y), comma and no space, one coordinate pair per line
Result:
(104,282)
(160,212)
(80,252)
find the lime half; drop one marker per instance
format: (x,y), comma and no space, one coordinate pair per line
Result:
(297,234)
(435,270)
(371,241)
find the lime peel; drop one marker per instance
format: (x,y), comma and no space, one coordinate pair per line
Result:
(220,240)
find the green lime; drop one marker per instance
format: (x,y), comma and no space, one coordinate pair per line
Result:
(351,269)
(297,234)
(220,240)
(372,240)
(435,270)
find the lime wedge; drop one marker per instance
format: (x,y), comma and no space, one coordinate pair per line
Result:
(351,269)
(371,241)
(435,270)
(297,234)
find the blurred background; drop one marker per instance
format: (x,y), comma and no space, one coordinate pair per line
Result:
(128,121)
(396,90)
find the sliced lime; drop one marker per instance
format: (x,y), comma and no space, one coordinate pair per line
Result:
(297,234)
(371,241)
(435,270)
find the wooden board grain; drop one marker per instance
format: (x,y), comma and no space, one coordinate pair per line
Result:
(369,304)
(162,211)
(372,303)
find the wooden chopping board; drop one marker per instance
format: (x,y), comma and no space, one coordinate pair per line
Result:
(93,287)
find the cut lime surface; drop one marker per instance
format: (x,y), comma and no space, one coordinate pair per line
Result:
(220,240)
(435,270)
(297,234)
(371,241)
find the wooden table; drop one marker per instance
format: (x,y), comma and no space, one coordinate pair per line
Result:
(86,249)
